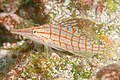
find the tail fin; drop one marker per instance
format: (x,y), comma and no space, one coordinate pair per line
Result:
(108,41)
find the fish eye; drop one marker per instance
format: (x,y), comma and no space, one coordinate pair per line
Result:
(34,31)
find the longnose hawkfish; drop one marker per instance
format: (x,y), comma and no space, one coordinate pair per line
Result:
(60,37)
(57,35)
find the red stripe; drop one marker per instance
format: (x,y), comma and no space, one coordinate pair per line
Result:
(86,43)
(79,43)
(72,41)
(50,31)
(92,47)
(60,35)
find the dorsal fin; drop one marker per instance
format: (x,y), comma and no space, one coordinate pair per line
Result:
(65,21)
(80,23)
(86,27)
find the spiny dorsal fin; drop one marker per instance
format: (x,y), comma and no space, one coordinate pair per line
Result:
(86,27)
(80,23)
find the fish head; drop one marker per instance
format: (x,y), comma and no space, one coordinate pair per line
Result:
(30,33)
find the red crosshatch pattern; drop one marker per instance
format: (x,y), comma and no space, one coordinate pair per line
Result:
(68,40)
(53,35)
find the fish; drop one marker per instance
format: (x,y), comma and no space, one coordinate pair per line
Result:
(60,37)
(62,34)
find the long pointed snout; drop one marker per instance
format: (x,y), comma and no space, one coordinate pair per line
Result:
(23,32)
(27,32)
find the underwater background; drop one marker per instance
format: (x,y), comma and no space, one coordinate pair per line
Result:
(23,57)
